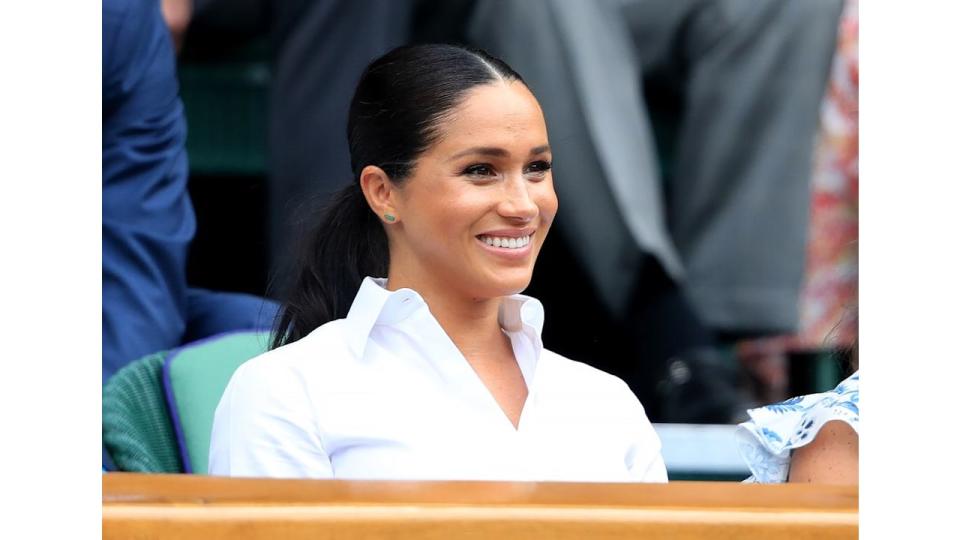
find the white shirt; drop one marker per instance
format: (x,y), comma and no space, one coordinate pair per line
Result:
(385,394)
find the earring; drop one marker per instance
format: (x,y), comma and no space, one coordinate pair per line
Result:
(390,217)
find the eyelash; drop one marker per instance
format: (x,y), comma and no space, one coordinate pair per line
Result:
(543,164)
(472,170)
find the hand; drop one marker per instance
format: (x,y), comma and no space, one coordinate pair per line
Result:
(177,14)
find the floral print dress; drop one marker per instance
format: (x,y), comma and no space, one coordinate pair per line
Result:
(767,440)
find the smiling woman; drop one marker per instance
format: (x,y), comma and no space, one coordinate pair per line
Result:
(405,349)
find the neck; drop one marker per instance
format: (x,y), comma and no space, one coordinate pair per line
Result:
(472,324)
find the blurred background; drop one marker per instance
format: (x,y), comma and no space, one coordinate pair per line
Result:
(705,157)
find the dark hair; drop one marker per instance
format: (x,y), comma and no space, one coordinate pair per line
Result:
(395,115)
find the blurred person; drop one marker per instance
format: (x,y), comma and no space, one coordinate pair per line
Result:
(713,251)
(318,49)
(148,219)
(404,349)
(830,278)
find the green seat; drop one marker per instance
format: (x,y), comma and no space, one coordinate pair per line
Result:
(195,377)
(137,431)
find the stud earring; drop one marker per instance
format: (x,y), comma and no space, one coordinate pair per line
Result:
(390,217)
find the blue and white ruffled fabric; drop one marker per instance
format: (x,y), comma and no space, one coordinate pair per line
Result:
(774,431)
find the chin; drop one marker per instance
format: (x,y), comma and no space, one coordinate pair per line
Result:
(508,285)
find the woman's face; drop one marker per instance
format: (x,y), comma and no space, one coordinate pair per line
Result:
(478,204)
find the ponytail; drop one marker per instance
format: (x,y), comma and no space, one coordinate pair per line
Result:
(345,244)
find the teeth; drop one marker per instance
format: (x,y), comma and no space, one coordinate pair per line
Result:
(509,243)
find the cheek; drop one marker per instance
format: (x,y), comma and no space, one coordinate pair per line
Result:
(546,200)
(445,214)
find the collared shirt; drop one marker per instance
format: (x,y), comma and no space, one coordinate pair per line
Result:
(385,394)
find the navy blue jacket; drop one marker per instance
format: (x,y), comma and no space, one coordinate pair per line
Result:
(148,220)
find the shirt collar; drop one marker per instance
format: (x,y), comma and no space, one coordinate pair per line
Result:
(375,304)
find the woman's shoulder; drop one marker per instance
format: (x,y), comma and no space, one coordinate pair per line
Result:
(323,349)
(578,390)
(813,410)
(773,432)
(578,376)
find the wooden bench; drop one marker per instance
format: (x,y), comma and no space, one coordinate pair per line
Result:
(203,507)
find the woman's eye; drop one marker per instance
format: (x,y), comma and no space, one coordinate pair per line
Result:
(538,167)
(479,170)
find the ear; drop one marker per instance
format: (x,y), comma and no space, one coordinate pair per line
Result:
(380,193)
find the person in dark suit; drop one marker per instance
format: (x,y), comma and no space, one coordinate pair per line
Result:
(318,49)
(148,219)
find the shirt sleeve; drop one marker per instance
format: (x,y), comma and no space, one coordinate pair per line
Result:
(653,471)
(264,426)
(644,457)
(767,440)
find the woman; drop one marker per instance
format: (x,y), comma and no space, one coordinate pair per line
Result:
(436,371)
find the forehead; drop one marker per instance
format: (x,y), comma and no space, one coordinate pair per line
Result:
(496,114)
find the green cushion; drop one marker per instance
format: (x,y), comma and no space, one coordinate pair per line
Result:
(137,431)
(195,377)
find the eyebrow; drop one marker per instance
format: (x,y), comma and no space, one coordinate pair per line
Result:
(496,152)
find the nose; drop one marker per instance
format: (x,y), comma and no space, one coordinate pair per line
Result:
(517,204)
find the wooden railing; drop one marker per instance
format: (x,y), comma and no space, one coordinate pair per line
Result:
(202,507)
